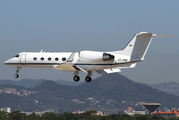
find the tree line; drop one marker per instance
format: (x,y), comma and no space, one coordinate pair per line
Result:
(88,115)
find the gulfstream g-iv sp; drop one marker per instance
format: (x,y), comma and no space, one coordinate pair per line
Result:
(86,61)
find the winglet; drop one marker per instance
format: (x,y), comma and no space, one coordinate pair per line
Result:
(71,58)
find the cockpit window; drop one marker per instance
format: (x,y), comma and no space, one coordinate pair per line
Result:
(16,55)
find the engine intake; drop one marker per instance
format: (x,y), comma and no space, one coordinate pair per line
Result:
(107,57)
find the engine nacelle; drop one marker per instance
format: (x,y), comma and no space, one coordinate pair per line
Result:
(95,56)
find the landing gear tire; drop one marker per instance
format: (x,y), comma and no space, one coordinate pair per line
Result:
(76,78)
(17,71)
(88,79)
(16,75)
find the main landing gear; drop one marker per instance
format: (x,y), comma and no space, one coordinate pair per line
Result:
(88,79)
(76,78)
(17,71)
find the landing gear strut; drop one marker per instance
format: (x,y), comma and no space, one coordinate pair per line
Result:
(17,71)
(88,78)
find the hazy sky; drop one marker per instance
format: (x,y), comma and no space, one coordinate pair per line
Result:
(103,25)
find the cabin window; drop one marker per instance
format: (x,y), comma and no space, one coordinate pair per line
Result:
(56,59)
(34,58)
(16,55)
(49,59)
(63,59)
(42,58)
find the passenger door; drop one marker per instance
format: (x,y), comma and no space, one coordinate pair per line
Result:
(23,59)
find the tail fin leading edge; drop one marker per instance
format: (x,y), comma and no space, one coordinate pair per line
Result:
(138,46)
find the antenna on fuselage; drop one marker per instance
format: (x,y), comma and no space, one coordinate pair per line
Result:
(42,51)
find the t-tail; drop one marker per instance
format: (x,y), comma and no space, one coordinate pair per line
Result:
(138,46)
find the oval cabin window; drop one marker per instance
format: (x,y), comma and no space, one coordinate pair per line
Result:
(63,59)
(56,59)
(49,59)
(42,58)
(34,58)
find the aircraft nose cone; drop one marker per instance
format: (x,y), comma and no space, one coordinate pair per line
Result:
(6,62)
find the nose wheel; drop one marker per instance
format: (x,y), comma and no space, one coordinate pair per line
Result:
(16,75)
(17,71)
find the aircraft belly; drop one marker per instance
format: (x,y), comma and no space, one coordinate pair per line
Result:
(38,66)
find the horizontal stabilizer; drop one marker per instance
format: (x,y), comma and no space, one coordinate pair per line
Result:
(155,35)
(112,70)
(130,66)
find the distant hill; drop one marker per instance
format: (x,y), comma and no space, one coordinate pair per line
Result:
(168,87)
(29,83)
(70,83)
(123,90)
(109,93)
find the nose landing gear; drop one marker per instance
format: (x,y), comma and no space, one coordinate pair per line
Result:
(17,71)
(16,75)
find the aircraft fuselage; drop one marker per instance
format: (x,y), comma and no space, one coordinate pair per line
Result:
(53,60)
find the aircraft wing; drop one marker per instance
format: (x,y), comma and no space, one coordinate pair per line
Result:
(68,65)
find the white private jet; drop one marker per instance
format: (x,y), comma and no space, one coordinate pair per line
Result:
(86,61)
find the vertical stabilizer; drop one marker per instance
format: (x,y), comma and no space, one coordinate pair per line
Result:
(138,46)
